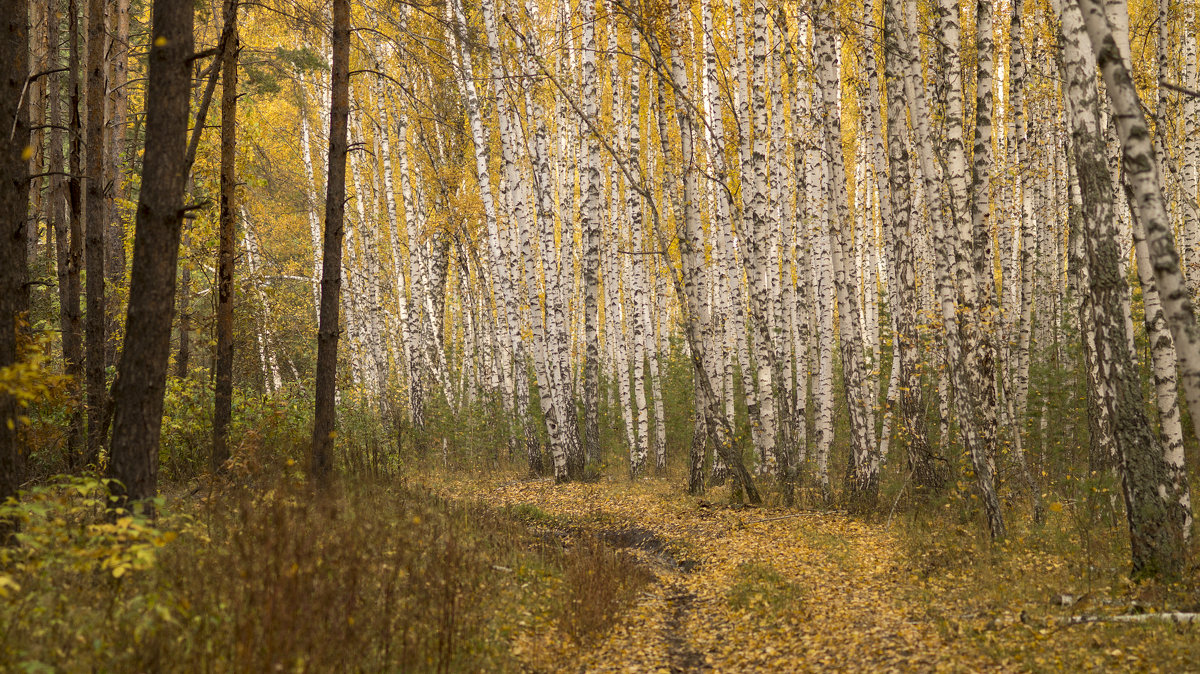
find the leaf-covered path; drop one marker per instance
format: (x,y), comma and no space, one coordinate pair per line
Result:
(734,590)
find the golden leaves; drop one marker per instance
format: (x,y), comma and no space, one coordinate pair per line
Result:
(825,592)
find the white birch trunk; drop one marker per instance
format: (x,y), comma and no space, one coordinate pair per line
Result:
(266,335)
(314,222)
(1145,189)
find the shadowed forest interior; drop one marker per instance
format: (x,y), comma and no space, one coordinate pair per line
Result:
(613,335)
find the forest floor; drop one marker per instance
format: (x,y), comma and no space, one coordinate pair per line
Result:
(738,589)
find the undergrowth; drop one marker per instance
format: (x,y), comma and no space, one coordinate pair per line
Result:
(599,583)
(1015,599)
(256,572)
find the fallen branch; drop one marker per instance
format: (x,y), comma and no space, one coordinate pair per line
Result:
(800,514)
(1178,618)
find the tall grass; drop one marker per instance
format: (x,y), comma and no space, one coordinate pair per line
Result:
(259,573)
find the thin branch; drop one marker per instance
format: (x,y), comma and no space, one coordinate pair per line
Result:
(214,71)
(37,76)
(212,51)
(1177,618)
(44,174)
(378,73)
(1183,90)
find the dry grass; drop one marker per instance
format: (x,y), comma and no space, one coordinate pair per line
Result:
(1010,600)
(599,583)
(262,574)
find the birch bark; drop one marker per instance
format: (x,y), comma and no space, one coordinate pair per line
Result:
(927,473)
(590,223)
(1156,540)
(863,470)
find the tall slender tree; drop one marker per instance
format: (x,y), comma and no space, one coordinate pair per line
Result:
(142,369)
(223,391)
(68,247)
(324,423)
(1156,546)
(15,153)
(923,464)
(590,222)
(96,211)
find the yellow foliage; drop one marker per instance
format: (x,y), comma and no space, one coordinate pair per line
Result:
(31,379)
(65,525)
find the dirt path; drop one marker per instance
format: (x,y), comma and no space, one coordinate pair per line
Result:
(744,590)
(681,655)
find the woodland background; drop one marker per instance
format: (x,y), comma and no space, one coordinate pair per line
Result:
(300,301)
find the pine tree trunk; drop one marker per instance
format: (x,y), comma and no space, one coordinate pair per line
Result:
(142,371)
(96,212)
(223,390)
(74,336)
(117,107)
(14,203)
(67,272)
(331,273)
(118,94)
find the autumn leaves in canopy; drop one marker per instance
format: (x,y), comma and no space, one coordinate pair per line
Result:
(890,233)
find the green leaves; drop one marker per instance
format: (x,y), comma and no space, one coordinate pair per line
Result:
(65,525)
(303,59)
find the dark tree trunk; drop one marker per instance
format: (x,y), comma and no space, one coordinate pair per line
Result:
(57,220)
(114,167)
(72,315)
(96,211)
(36,95)
(331,260)
(14,206)
(223,395)
(184,357)
(142,371)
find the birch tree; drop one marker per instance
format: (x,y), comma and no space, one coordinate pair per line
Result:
(1156,544)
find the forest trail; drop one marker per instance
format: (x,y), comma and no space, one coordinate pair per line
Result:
(735,590)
